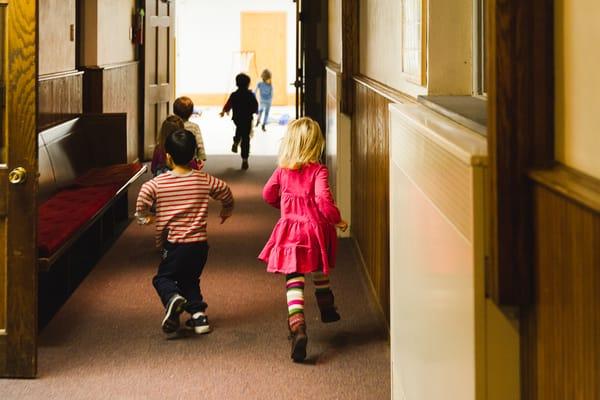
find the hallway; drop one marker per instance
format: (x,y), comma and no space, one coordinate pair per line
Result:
(106,341)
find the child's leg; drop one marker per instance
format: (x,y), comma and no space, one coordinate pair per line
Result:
(260,111)
(166,286)
(188,278)
(188,281)
(245,138)
(267,110)
(236,138)
(295,298)
(294,285)
(325,299)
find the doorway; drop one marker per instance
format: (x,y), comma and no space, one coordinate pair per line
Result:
(217,41)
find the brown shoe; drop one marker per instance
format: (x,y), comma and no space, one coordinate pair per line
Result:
(325,301)
(298,336)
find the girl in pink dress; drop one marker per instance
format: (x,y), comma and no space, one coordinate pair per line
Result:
(304,239)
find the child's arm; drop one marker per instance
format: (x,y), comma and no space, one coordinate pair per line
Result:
(220,191)
(324,199)
(254,104)
(271,192)
(226,107)
(145,199)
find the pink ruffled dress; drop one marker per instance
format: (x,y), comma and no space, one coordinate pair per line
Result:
(304,239)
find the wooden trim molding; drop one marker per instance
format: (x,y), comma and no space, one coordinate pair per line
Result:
(58,75)
(520,136)
(388,92)
(571,184)
(350,53)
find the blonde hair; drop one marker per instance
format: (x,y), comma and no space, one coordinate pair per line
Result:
(170,124)
(302,143)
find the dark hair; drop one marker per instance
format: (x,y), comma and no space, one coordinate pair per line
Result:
(181,146)
(242,81)
(183,107)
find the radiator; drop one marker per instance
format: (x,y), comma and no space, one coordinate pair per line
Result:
(437,253)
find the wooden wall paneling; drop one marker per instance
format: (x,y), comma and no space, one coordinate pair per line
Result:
(564,325)
(120,93)
(350,53)
(92,90)
(57,36)
(370,199)
(520,135)
(60,98)
(115,89)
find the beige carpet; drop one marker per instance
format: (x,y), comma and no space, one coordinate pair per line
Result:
(106,341)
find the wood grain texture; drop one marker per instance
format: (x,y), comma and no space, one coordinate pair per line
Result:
(350,53)
(561,331)
(56,49)
(520,135)
(370,178)
(115,89)
(158,64)
(60,98)
(18,349)
(121,94)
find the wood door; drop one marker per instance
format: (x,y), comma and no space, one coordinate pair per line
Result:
(300,53)
(159,69)
(18,189)
(265,35)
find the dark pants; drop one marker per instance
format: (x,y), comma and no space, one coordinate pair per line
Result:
(242,134)
(179,273)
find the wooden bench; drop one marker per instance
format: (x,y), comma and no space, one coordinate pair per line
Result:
(83,206)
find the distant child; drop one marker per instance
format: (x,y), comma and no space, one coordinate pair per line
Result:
(183,107)
(304,239)
(181,197)
(266,97)
(159,159)
(244,106)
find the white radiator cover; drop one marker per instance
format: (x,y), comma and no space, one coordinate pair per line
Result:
(437,253)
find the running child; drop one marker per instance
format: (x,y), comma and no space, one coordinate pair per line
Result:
(304,239)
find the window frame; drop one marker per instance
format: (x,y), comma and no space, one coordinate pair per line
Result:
(421,77)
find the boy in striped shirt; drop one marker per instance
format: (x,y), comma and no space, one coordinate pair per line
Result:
(181,197)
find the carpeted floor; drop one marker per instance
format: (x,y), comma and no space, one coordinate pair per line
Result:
(106,341)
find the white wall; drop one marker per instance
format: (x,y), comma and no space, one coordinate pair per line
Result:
(208,33)
(577,85)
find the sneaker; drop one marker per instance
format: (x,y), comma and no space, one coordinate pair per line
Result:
(234,147)
(199,323)
(174,308)
(244,164)
(263,128)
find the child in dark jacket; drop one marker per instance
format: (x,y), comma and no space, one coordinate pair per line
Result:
(244,106)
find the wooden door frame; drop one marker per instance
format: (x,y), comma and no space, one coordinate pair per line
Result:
(18,342)
(520,136)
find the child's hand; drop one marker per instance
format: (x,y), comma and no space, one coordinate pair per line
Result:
(342,225)
(146,220)
(225,213)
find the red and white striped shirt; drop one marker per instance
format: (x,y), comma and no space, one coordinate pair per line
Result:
(181,204)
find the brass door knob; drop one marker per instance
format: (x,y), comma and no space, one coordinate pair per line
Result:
(17,176)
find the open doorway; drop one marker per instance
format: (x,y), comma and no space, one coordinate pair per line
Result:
(215,42)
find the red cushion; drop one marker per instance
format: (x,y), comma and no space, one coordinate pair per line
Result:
(64,213)
(117,174)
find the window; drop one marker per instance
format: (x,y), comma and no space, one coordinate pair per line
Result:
(479,47)
(414,37)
